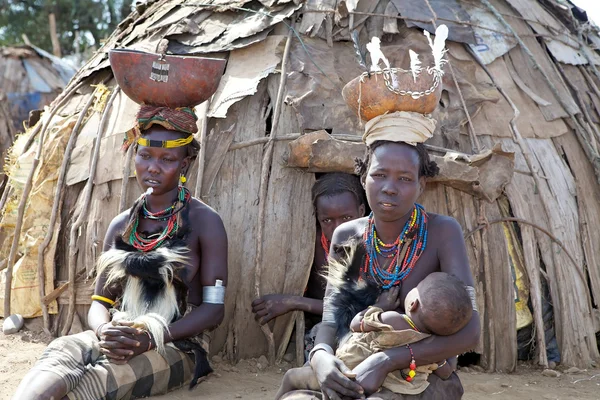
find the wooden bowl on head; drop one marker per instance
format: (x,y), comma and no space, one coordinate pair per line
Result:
(376,99)
(170,81)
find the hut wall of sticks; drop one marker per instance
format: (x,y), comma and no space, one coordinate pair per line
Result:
(517,142)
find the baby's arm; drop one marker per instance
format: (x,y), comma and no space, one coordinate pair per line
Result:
(392,318)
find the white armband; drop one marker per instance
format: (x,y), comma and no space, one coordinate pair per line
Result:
(214,294)
(472,296)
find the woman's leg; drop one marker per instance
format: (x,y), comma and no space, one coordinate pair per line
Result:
(60,368)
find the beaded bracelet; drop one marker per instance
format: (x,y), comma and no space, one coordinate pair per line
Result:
(413,366)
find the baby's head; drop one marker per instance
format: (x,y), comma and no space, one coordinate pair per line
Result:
(439,304)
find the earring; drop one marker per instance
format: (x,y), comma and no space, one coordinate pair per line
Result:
(182,179)
(134,172)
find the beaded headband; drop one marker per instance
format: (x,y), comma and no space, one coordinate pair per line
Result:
(167,144)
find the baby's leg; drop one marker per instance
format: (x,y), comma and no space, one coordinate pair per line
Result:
(298,379)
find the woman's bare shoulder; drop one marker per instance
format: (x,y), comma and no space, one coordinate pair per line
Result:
(348,230)
(443,224)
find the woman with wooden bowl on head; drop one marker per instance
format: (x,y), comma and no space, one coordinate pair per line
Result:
(403,244)
(161,278)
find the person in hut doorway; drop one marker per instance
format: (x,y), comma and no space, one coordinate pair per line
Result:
(164,267)
(403,245)
(337,198)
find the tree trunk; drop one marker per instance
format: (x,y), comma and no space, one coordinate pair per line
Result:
(54,36)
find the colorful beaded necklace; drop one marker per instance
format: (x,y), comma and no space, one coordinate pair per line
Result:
(325,244)
(404,252)
(169,214)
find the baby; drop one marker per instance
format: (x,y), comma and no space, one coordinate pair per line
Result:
(439,305)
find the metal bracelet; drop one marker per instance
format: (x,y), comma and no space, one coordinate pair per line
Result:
(320,346)
(472,296)
(214,294)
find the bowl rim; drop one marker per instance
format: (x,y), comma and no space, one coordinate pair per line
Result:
(125,50)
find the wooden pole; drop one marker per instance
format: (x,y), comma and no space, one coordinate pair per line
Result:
(56,205)
(202,157)
(87,197)
(264,183)
(54,36)
(23,203)
(125,180)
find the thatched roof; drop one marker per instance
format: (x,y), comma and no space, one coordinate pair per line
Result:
(530,56)
(31,78)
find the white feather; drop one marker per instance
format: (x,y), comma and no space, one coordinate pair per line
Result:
(438,46)
(415,64)
(153,317)
(376,54)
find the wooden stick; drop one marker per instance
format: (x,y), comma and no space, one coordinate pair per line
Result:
(87,197)
(23,203)
(5,196)
(203,142)
(55,294)
(300,328)
(489,300)
(264,185)
(550,235)
(125,179)
(56,205)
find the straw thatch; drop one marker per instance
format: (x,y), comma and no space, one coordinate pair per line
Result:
(521,79)
(31,78)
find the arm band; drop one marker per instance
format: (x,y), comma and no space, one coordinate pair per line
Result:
(320,346)
(103,299)
(214,294)
(472,296)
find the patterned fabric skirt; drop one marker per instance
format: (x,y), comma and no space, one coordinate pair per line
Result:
(89,375)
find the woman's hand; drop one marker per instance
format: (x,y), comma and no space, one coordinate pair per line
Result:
(334,377)
(120,343)
(371,373)
(270,306)
(389,300)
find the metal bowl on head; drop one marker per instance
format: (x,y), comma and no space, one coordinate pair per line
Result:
(170,81)
(375,97)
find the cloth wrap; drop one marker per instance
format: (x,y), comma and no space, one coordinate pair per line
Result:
(89,374)
(400,126)
(360,345)
(174,119)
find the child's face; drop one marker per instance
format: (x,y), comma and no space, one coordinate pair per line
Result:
(332,211)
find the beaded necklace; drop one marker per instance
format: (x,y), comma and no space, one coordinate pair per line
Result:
(403,253)
(169,214)
(325,244)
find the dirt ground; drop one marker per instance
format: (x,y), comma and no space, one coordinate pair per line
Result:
(246,381)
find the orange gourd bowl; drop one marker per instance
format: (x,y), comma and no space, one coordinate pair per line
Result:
(377,99)
(173,81)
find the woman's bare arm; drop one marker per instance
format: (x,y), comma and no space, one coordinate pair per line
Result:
(452,255)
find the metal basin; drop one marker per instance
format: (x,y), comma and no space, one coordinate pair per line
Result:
(171,81)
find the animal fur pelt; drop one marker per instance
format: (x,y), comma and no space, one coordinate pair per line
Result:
(154,295)
(350,295)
